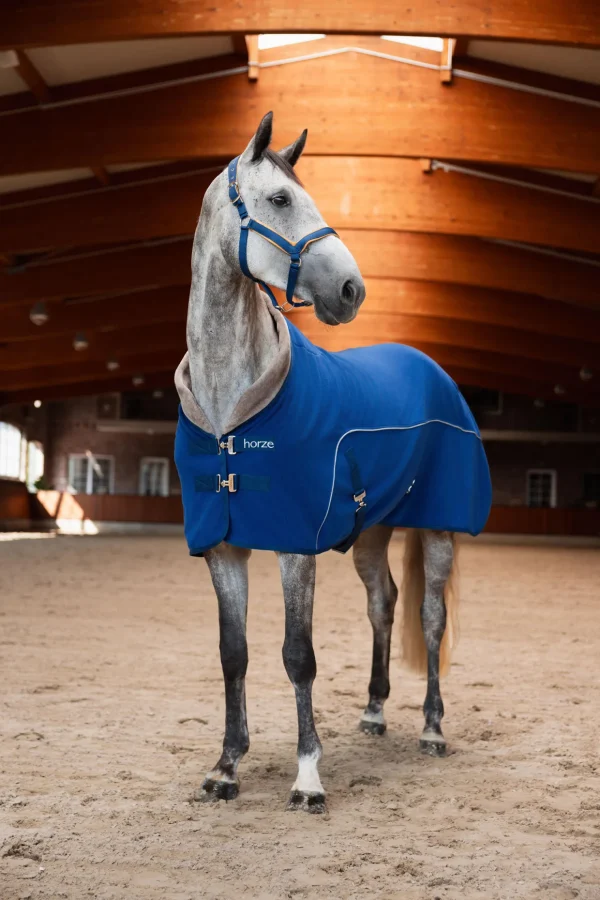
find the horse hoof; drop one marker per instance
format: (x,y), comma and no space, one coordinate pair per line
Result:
(368,727)
(213,790)
(432,748)
(307,801)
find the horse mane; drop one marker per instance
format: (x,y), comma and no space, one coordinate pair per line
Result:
(280,163)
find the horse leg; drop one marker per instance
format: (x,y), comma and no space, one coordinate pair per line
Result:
(438,557)
(229,572)
(298,578)
(371,562)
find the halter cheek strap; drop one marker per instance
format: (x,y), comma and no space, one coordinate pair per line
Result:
(294,251)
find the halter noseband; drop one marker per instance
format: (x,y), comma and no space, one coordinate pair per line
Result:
(294,251)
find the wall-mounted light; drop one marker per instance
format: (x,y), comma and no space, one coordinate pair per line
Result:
(559,390)
(39,313)
(138,380)
(80,342)
(585,374)
(37,403)
(112,364)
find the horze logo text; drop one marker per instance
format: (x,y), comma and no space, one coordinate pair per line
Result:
(258,445)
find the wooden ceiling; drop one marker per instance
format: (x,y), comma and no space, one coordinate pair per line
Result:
(469,198)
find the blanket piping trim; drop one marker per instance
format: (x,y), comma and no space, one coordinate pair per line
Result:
(385,428)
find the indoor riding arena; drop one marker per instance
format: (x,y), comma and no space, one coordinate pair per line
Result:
(450,180)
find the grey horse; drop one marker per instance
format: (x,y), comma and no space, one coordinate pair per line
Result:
(234,366)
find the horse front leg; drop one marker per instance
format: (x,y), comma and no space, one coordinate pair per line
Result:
(370,554)
(298,578)
(229,572)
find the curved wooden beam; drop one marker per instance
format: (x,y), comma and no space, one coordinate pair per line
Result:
(380,254)
(362,192)
(25,23)
(374,327)
(385,297)
(414,116)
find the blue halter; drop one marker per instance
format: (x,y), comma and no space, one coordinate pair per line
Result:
(294,251)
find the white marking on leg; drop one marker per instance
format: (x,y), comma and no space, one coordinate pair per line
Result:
(218,775)
(433,737)
(308,779)
(377,717)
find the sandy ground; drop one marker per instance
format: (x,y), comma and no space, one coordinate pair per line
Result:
(112,712)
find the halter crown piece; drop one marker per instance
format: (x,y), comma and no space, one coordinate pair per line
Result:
(294,251)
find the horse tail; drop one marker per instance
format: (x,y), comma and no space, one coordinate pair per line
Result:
(414,651)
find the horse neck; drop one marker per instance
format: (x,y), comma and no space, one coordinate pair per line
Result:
(230,333)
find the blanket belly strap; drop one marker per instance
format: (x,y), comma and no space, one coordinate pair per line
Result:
(234,483)
(360,497)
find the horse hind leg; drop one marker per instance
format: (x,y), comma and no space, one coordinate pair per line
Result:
(371,562)
(429,605)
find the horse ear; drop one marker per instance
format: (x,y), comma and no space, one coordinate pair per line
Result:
(293,152)
(261,139)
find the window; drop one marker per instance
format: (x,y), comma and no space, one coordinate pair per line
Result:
(11,451)
(154,476)
(541,487)
(90,474)
(591,487)
(35,463)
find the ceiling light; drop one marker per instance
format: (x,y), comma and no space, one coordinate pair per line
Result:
(585,374)
(560,389)
(39,313)
(138,380)
(539,403)
(80,342)
(37,403)
(158,395)
(112,365)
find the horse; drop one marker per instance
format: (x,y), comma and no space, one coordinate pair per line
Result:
(246,366)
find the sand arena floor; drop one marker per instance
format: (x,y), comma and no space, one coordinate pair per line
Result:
(112,713)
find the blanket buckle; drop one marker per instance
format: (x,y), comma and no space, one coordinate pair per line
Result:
(228,483)
(360,498)
(229,445)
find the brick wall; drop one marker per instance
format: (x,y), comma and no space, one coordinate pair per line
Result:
(73,429)
(509,462)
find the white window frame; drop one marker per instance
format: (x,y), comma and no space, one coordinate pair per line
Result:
(21,461)
(166,475)
(553,477)
(89,476)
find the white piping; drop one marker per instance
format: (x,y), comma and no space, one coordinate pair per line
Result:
(464,170)
(385,428)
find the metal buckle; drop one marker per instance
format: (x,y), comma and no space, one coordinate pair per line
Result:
(360,498)
(228,483)
(228,445)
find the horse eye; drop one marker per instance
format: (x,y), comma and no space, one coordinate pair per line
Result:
(279,200)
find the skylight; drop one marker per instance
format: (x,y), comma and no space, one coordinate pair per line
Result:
(279,40)
(427,43)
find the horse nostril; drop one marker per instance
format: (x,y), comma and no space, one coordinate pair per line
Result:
(349,291)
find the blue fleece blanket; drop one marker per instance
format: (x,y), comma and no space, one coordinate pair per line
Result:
(373,435)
